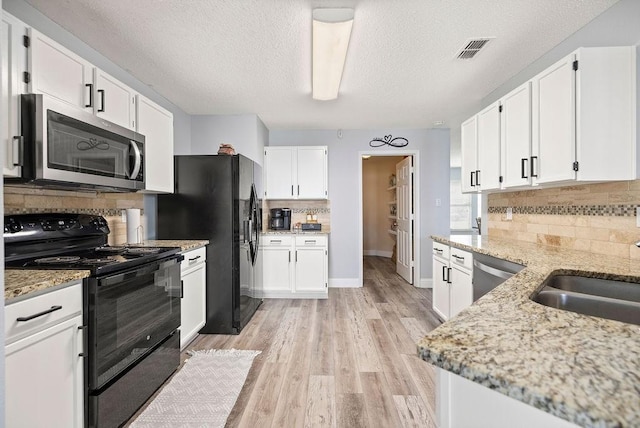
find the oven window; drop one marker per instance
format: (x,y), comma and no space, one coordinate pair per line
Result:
(132,312)
(80,147)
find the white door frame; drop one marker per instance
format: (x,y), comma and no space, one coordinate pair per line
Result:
(416,209)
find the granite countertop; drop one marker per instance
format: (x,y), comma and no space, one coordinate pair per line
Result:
(184,244)
(580,368)
(20,282)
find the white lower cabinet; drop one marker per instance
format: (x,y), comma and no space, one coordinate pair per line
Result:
(44,363)
(462,403)
(452,280)
(295,266)
(194,287)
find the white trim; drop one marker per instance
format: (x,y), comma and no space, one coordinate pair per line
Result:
(416,207)
(345,283)
(378,253)
(268,294)
(425,283)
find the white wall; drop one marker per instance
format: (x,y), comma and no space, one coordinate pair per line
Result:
(245,132)
(2,375)
(433,145)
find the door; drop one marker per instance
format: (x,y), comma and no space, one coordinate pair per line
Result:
(404,238)
(554,122)
(441,273)
(469,150)
(114,101)
(44,378)
(14,63)
(279,167)
(516,132)
(488,177)
(311,173)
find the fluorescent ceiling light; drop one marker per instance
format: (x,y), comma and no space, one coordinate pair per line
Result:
(331,32)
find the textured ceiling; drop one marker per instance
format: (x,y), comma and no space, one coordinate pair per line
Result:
(253,56)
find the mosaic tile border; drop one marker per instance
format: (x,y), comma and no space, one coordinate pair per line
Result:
(311,210)
(588,210)
(106,212)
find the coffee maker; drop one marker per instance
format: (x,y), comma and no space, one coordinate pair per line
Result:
(280,219)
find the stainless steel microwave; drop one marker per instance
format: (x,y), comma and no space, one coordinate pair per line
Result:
(63,146)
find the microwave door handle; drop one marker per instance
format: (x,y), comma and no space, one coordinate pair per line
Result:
(136,167)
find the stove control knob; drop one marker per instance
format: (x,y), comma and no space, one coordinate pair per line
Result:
(15,227)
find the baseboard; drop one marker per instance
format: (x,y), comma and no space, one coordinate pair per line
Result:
(344,283)
(268,294)
(378,253)
(425,283)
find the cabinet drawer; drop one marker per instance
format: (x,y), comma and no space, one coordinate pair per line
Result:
(193,257)
(276,240)
(461,258)
(69,299)
(311,241)
(441,250)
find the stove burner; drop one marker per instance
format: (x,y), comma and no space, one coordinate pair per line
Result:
(57,260)
(110,250)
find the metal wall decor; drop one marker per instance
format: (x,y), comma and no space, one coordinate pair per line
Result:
(389,141)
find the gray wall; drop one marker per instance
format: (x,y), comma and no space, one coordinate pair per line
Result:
(245,132)
(433,146)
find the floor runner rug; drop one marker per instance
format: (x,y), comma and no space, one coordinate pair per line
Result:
(202,393)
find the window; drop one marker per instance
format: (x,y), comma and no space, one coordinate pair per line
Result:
(461,207)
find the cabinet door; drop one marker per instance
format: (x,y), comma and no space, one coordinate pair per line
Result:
(276,269)
(14,63)
(192,312)
(441,288)
(311,268)
(311,173)
(469,147)
(279,172)
(461,291)
(516,137)
(489,148)
(44,378)
(554,122)
(58,72)
(156,124)
(114,101)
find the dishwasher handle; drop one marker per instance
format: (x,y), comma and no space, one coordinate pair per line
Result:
(492,271)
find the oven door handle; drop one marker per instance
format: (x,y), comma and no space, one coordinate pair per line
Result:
(139,271)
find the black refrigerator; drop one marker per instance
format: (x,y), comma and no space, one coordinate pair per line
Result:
(217,198)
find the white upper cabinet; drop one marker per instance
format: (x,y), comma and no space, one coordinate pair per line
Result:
(296,172)
(114,101)
(60,73)
(469,150)
(156,124)
(280,167)
(488,175)
(14,64)
(575,121)
(515,124)
(585,117)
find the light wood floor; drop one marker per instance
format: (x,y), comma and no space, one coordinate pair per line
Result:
(348,361)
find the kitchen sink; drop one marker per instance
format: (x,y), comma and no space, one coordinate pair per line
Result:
(604,298)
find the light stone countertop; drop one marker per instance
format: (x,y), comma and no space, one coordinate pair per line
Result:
(580,368)
(20,282)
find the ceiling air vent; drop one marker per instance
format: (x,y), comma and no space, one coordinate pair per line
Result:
(472,47)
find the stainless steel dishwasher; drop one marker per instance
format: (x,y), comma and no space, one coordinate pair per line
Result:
(489,272)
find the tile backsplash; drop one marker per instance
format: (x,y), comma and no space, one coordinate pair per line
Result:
(299,210)
(27,200)
(600,217)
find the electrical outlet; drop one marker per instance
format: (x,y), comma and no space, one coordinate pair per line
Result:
(637,216)
(438,202)
(124,216)
(509,213)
